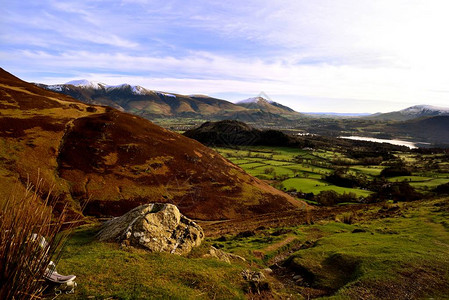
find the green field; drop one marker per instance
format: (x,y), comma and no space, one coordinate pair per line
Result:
(307,185)
(420,182)
(297,169)
(304,170)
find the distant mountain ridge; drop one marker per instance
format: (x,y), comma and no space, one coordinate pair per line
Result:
(413,112)
(157,104)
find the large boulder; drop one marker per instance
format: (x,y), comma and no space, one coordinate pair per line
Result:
(157,227)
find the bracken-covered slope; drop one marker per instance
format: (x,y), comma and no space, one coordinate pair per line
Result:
(115,161)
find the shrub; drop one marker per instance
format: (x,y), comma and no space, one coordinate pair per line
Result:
(394,171)
(342,178)
(269,170)
(398,191)
(347,218)
(24,258)
(327,198)
(442,189)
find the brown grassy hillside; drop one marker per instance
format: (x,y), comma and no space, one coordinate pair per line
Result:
(116,160)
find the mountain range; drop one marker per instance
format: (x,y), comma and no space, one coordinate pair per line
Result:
(110,161)
(152,104)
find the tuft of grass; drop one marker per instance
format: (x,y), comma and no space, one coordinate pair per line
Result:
(347,218)
(24,257)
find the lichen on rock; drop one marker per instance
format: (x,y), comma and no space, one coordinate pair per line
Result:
(157,227)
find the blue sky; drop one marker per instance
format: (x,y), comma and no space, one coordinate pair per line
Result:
(320,55)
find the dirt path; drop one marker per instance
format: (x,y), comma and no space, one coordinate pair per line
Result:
(279,244)
(273,220)
(289,218)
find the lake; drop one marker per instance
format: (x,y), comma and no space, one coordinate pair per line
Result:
(411,145)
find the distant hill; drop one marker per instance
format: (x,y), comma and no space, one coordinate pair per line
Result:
(413,112)
(433,130)
(113,161)
(156,104)
(236,133)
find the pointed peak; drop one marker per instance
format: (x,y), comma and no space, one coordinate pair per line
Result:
(254,100)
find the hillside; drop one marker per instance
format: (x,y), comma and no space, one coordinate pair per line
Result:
(413,112)
(155,104)
(432,130)
(114,161)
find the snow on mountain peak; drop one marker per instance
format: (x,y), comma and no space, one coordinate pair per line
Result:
(83,83)
(87,83)
(254,100)
(425,108)
(138,90)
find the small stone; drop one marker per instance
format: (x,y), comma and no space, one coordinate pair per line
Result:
(268,270)
(223,256)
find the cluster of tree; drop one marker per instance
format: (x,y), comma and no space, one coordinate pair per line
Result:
(396,191)
(442,189)
(329,198)
(396,168)
(368,156)
(394,171)
(341,177)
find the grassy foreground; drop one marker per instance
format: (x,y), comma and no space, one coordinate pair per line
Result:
(104,270)
(385,251)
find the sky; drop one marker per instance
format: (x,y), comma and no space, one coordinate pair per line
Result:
(357,56)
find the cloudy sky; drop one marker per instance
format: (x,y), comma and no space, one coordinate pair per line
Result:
(320,55)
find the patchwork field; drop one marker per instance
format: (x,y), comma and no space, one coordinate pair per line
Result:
(305,170)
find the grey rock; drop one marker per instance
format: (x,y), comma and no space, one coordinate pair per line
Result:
(157,227)
(257,281)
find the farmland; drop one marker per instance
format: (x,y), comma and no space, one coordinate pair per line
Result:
(307,171)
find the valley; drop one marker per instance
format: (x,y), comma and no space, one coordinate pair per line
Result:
(250,150)
(421,123)
(292,210)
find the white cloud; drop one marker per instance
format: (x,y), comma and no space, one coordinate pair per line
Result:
(346,51)
(208,73)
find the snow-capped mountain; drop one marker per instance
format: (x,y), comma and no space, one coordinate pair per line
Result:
(86,83)
(264,104)
(425,109)
(95,85)
(413,112)
(254,100)
(155,104)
